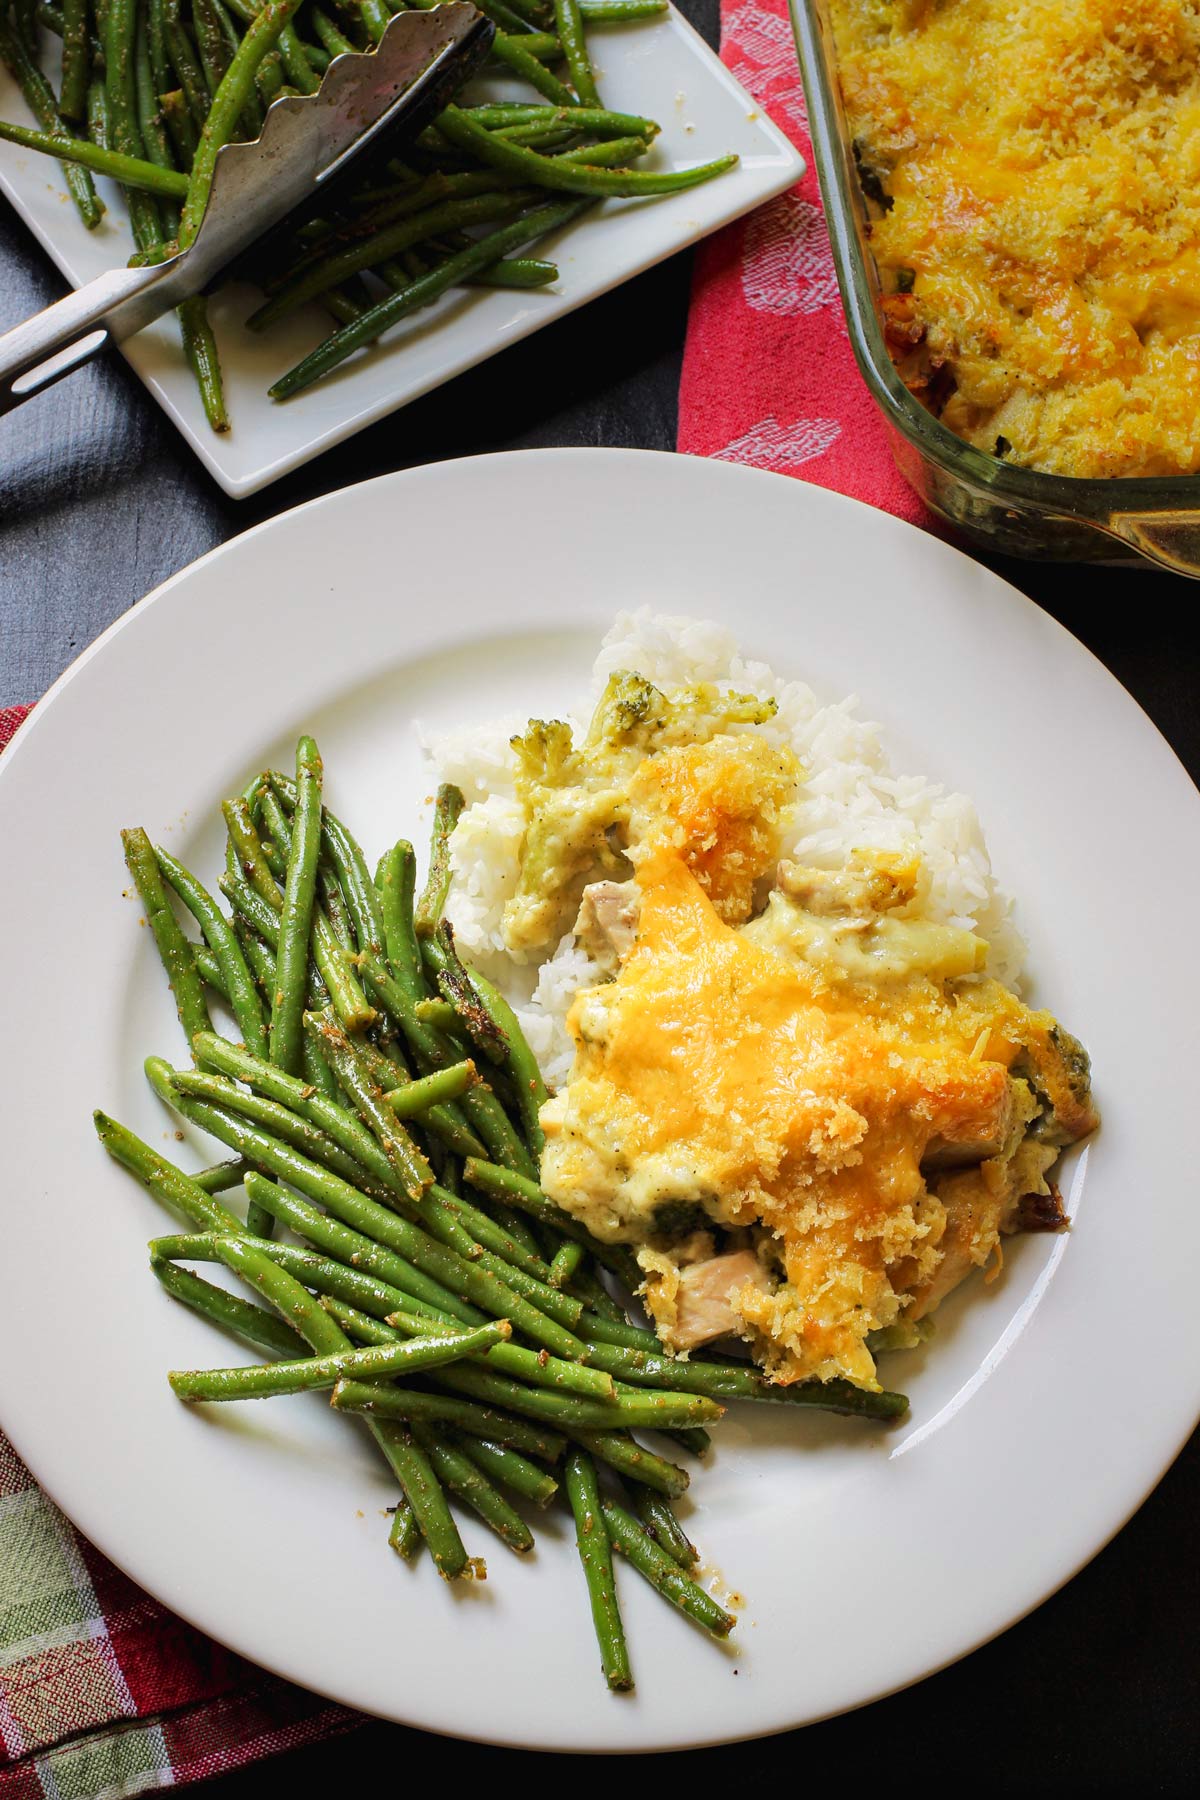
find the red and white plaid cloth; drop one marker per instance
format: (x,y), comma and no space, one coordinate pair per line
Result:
(769,377)
(103,1692)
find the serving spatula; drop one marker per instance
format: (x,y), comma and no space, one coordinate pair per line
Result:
(306,144)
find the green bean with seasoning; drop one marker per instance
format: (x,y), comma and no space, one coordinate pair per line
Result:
(595,1554)
(632,1460)
(130,171)
(628,1411)
(410,1466)
(568,25)
(433,1050)
(619,12)
(487,1422)
(656,1515)
(409,1164)
(462,1476)
(361,1254)
(76,60)
(455,984)
(475,209)
(173,947)
(663,1573)
(218,1178)
(354,1288)
(447,812)
(182,1196)
(291,1128)
(40,98)
(520,1061)
(511,1469)
(238,982)
(526,229)
(537,1368)
(265,1330)
(404,1537)
(519,1191)
(409,1356)
(299,900)
(570,177)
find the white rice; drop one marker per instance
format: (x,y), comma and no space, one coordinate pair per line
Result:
(850,798)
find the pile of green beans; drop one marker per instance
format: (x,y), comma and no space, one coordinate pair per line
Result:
(150,91)
(381,1106)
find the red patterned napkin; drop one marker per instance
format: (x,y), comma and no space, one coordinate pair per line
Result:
(103,1692)
(10,718)
(769,378)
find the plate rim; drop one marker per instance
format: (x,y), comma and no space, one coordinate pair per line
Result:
(732,473)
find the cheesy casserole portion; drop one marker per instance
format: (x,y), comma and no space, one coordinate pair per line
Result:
(1035,168)
(800,1099)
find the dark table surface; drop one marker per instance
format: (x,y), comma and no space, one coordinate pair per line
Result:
(100,501)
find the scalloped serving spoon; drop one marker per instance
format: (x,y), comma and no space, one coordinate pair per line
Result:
(306,143)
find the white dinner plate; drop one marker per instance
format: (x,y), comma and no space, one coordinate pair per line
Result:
(1048,1403)
(660,69)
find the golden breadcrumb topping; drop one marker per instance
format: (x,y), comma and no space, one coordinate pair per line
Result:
(760,1081)
(1040,165)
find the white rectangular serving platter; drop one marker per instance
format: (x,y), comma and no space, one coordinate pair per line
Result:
(660,68)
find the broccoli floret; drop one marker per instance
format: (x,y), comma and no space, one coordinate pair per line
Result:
(630,710)
(575,797)
(678,1218)
(1077,1062)
(546,755)
(632,713)
(702,711)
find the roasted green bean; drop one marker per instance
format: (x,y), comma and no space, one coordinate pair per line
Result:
(173,947)
(40,98)
(512,1469)
(423,292)
(266,1331)
(299,900)
(447,812)
(519,1191)
(406,1160)
(663,1573)
(411,1468)
(595,1554)
(299,1375)
(463,1477)
(656,1515)
(569,176)
(239,983)
(486,1422)
(130,171)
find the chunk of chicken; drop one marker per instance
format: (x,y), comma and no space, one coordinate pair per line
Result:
(607,922)
(871,883)
(706,1291)
(977,1132)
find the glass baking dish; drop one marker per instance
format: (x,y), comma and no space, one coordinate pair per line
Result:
(1018,512)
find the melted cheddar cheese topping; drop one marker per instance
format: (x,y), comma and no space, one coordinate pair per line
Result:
(717,1068)
(1040,161)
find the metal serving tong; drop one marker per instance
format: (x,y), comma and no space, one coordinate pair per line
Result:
(305,145)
